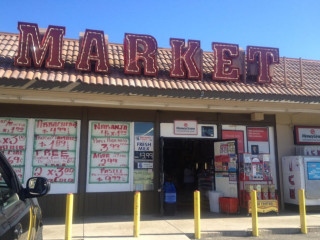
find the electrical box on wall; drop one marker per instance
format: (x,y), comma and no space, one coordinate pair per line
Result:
(257,116)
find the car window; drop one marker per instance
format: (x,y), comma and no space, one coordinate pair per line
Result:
(7,194)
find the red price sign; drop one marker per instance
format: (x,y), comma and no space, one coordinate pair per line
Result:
(13,126)
(110,145)
(55,142)
(105,129)
(12,142)
(15,158)
(109,159)
(55,174)
(56,127)
(109,175)
(50,157)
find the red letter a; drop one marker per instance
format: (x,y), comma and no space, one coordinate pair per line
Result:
(93,48)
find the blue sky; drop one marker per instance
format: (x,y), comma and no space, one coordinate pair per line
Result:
(290,25)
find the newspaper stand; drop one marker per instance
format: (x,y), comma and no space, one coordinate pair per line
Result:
(255,174)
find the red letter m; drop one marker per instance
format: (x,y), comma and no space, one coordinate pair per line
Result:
(50,47)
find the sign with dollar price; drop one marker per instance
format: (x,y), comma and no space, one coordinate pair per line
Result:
(109,175)
(13,142)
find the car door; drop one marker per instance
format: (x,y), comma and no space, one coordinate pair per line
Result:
(14,212)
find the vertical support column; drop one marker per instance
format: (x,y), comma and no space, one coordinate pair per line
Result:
(302,209)
(254,213)
(197,230)
(136,217)
(69,214)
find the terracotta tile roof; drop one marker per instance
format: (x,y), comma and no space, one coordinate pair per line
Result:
(297,84)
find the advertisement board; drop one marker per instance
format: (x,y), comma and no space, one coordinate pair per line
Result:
(55,153)
(304,135)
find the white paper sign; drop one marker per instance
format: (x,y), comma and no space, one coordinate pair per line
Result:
(185,127)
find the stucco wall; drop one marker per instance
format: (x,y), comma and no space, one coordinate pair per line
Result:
(285,139)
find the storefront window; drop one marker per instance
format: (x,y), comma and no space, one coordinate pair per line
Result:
(13,143)
(143,156)
(55,153)
(109,156)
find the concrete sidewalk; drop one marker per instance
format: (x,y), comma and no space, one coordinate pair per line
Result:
(180,226)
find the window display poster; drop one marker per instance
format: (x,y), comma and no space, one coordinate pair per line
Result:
(13,142)
(55,152)
(258,140)
(143,156)
(235,134)
(313,170)
(109,152)
(143,179)
(224,148)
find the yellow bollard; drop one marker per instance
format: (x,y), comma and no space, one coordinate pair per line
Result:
(136,215)
(254,213)
(31,226)
(302,209)
(197,230)
(69,213)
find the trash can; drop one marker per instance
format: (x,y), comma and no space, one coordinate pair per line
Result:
(214,201)
(170,199)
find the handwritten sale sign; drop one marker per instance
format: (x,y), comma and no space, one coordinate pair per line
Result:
(109,175)
(56,127)
(109,159)
(55,142)
(50,157)
(110,144)
(13,126)
(56,174)
(109,152)
(55,151)
(15,158)
(13,142)
(110,129)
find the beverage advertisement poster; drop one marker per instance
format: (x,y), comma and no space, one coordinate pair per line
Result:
(143,156)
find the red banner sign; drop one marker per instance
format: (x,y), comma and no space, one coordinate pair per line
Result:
(256,134)
(235,134)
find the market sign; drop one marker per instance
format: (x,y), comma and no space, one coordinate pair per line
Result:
(306,135)
(140,55)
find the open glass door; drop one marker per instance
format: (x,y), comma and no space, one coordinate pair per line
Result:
(226,167)
(161,176)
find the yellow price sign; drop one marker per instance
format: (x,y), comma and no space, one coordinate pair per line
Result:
(265,206)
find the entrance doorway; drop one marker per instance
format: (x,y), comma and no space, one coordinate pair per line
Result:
(188,164)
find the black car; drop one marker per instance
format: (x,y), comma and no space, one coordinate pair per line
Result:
(20,213)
